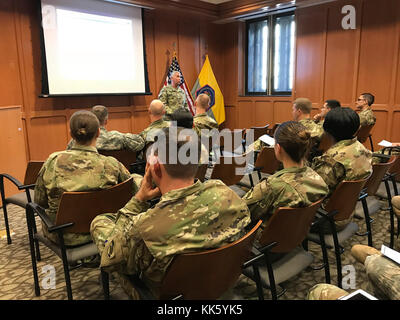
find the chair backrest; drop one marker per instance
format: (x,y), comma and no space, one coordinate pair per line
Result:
(345,197)
(206,275)
(325,143)
(395,167)
(231,140)
(32,172)
(271,131)
(82,207)
(230,169)
(260,131)
(289,227)
(201,172)
(267,160)
(126,157)
(378,172)
(364,132)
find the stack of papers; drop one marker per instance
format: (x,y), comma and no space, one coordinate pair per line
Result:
(385,143)
(391,254)
(267,139)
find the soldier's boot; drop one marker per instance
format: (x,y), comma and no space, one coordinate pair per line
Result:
(324,291)
(360,252)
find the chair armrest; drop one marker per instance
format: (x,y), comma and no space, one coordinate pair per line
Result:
(40,211)
(12,179)
(325,214)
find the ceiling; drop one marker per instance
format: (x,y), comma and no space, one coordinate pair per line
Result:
(216,1)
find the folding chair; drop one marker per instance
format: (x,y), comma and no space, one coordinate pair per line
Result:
(75,214)
(364,133)
(283,234)
(22,198)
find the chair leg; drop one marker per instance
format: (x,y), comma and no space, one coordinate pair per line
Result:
(396,192)
(337,252)
(6,222)
(324,256)
(259,287)
(29,217)
(367,222)
(251,180)
(65,264)
(38,256)
(271,277)
(105,282)
(389,199)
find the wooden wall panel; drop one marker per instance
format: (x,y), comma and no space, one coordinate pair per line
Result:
(395,134)
(341,55)
(12,145)
(120,121)
(377,50)
(282,111)
(246,113)
(10,85)
(263,112)
(310,53)
(52,131)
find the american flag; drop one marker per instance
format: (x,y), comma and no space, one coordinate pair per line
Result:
(175,67)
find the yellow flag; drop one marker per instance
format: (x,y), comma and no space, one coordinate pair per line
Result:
(206,83)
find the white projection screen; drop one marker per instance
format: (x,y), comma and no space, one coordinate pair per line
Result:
(92,47)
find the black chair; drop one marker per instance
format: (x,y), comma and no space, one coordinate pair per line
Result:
(283,234)
(204,275)
(22,198)
(75,214)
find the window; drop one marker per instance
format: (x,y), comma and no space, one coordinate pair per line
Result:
(270,55)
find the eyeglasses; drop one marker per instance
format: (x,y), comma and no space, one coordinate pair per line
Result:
(360,99)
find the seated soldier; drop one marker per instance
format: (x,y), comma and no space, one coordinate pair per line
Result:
(156,113)
(328,106)
(80,169)
(383,277)
(190,216)
(113,140)
(201,120)
(296,185)
(346,159)
(363,104)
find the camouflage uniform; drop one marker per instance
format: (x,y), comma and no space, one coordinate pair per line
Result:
(316,130)
(149,133)
(346,160)
(173,100)
(383,281)
(203,121)
(79,169)
(115,140)
(325,291)
(142,241)
(291,187)
(367,117)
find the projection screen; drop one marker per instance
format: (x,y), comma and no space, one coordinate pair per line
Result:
(92,47)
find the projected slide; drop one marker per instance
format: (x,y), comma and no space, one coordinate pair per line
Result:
(93,47)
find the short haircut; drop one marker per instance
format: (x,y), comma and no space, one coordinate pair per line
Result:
(157,108)
(369,97)
(332,103)
(303,104)
(183,119)
(84,126)
(185,141)
(294,138)
(341,123)
(203,101)
(101,113)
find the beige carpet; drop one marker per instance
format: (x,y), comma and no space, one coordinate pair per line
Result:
(16,278)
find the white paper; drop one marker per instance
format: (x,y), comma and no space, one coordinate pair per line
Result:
(267,139)
(385,143)
(391,254)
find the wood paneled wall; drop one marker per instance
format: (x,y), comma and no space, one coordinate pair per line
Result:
(331,63)
(46,119)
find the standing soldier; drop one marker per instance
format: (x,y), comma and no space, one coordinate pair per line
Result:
(191,216)
(113,140)
(172,96)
